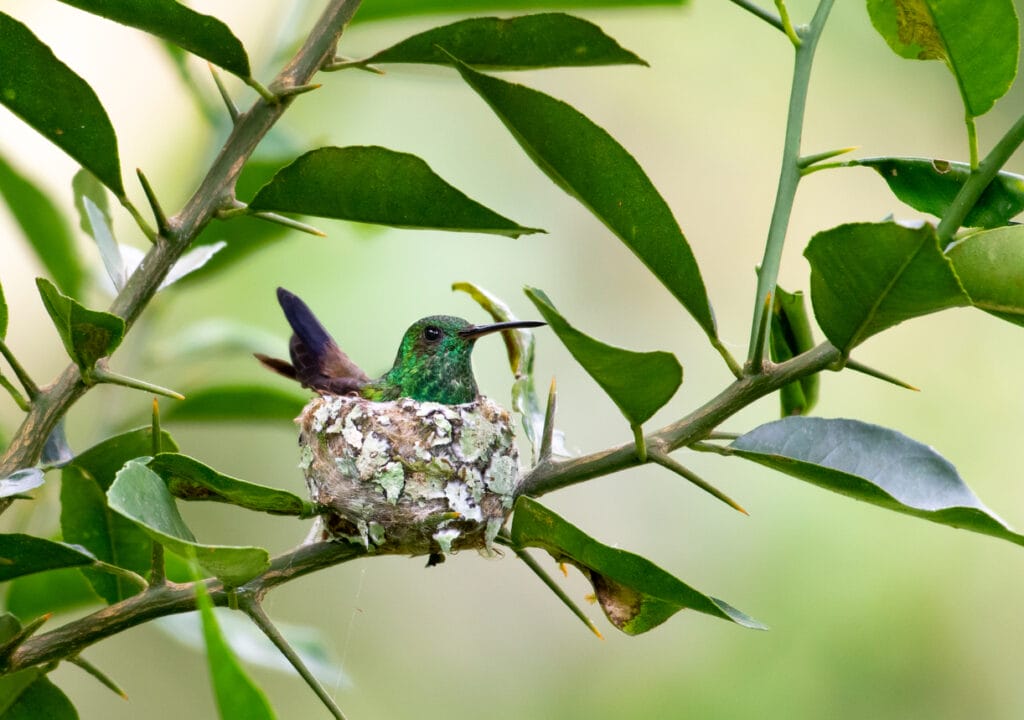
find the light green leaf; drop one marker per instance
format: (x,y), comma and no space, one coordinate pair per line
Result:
(243,403)
(86,519)
(375,185)
(931,185)
(594,168)
(29,695)
(238,697)
(22,554)
(189,479)
(990,264)
(20,482)
(530,41)
(635,594)
(88,335)
(790,336)
(140,495)
(200,34)
(110,251)
(44,226)
(978,41)
(639,383)
(874,464)
(85,185)
(866,277)
(401,8)
(49,96)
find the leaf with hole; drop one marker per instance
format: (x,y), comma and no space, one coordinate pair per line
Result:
(202,35)
(931,185)
(990,264)
(590,165)
(57,103)
(867,277)
(88,335)
(542,40)
(141,495)
(873,464)
(44,227)
(635,594)
(189,479)
(639,383)
(375,185)
(979,42)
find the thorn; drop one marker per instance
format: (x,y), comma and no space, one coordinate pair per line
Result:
(548,434)
(103,375)
(861,368)
(297,90)
(288,222)
(228,102)
(808,160)
(162,226)
(344,63)
(670,463)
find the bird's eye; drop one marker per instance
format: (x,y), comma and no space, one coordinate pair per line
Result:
(432,334)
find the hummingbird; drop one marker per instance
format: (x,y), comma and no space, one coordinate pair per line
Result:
(433,363)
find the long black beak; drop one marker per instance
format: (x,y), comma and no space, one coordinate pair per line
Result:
(475,331)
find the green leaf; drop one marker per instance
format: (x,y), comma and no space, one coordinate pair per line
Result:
(87,520)
(140,495)
(45,228)
(990,264)
(244,403)
(978,41)
(238,697)
(591,166)
(88,335)
(49,96)
(931,185)
(200,34)
(22,554)
(85,185)
(530,41)
(866,277)
(639,383)
(874,464)
(634,593)
(20,482)
(375,185)
(110,251)
(189,479)
(3,314)
(402,8)
(50,592)
(29,695)
(790,336)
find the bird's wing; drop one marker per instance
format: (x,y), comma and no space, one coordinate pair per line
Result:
(317,361)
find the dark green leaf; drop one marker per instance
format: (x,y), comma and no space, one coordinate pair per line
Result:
(140,495)
(866,277)
(639,383)
(238,697)
(244,403)
(45,228)
(21,482)
(49,96)
(634,593)
(978,41)
(931,185)
(376,185)
(85,185)
(29,695)
(530,41)
(189,479)
(87,521)
(49,592)
(22,554)
(590,165)
(791,335)
(88,335)
(873,464)
(990,264)
(201,35)
(402,8)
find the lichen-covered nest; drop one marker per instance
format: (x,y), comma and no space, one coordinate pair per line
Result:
(410,477)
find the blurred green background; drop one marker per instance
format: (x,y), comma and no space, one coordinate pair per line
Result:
(873,614)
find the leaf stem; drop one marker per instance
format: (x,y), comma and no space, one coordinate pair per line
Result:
(31,389)
(972,140)
(789,178)
(787,24)
(15,394)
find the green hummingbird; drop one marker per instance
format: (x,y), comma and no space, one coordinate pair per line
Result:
(433,361)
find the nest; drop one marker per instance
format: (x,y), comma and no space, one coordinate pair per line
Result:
(408,477)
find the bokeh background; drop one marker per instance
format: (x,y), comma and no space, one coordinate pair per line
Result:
(873,614)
